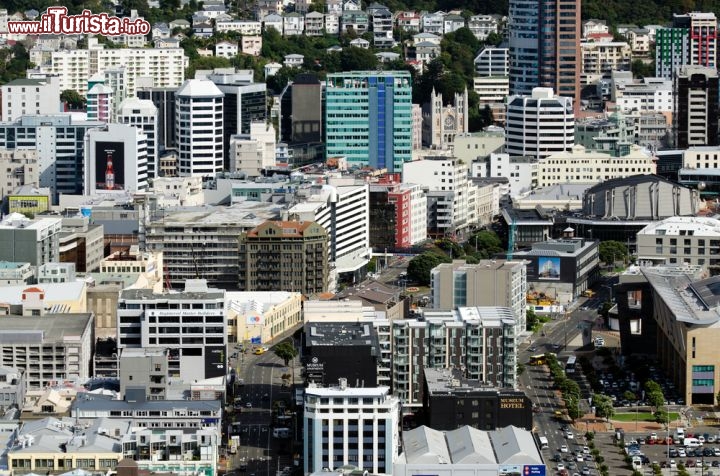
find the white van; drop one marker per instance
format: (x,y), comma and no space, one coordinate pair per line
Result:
(637,463)
(543,443)
(691,443)
(680,432)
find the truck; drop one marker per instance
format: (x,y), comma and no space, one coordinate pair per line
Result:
(234,444)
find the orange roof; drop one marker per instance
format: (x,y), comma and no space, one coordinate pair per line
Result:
(33,290)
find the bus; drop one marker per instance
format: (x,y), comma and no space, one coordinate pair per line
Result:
(570,365)
(543,443)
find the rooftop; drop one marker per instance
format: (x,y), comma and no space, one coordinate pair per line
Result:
(561,191)
(243,302)
(54,292)
(87,402)
(469,446)
(379,392)
(240,215)
(451,381)
(677,226)
(689,300)
(12,265)
(199,88)
(483,316)
(561,247)
(43,329)
(340,334)
(187,295)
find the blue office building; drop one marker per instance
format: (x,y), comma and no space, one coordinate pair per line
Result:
(368,118)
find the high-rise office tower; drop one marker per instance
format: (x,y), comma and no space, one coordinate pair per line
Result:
(692,40)
(199,128)
(695,119)
(143,114)
(544,40)
(539,124)
(368,118)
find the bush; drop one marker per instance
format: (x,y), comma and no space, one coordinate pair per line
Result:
(589,436)
(599,459)
(604,468)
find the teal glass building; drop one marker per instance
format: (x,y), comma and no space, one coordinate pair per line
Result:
(368,118)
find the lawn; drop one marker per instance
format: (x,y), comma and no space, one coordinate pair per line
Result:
(641,416)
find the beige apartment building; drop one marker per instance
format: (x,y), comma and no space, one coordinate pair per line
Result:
(488,283)
(584,166)
(686,310)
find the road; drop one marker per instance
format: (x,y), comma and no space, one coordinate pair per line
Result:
(562,336)
(262,375)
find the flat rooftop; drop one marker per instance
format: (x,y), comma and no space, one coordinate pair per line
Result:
(150,295)
(451,381)
(246,214)
(679,226)
(42,329)
(340,334)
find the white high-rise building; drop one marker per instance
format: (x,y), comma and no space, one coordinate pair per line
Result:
(448,190)
(540,124)
(100,103)
(251,153)
(166,66)
(115,159)
(143,114)
(23,97)
(199,128)
(343,211)
(418,213)
(351,426)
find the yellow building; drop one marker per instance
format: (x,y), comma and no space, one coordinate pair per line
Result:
(262,315)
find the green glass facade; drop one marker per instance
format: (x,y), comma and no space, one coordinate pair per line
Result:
(368,118)
(671,50)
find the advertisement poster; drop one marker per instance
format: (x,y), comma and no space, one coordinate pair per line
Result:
(109,165)
(549,268)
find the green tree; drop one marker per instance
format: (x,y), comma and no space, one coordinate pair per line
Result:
(485,243)
(73,99)
(612,251)
(420,266)
(206,62)
(286,351)
(629,396)
(656,399)
(531,319)
(603,406)
(641,69)
(652,386)
(353,58)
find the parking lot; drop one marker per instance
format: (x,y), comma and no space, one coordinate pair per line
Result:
(700,461)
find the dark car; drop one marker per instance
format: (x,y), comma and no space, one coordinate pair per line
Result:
(557,458)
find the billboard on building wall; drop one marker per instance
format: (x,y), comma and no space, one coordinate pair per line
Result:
(254,319)
(109,165)
(549,268)
(214,361)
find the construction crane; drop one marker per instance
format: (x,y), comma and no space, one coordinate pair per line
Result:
(511,239)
